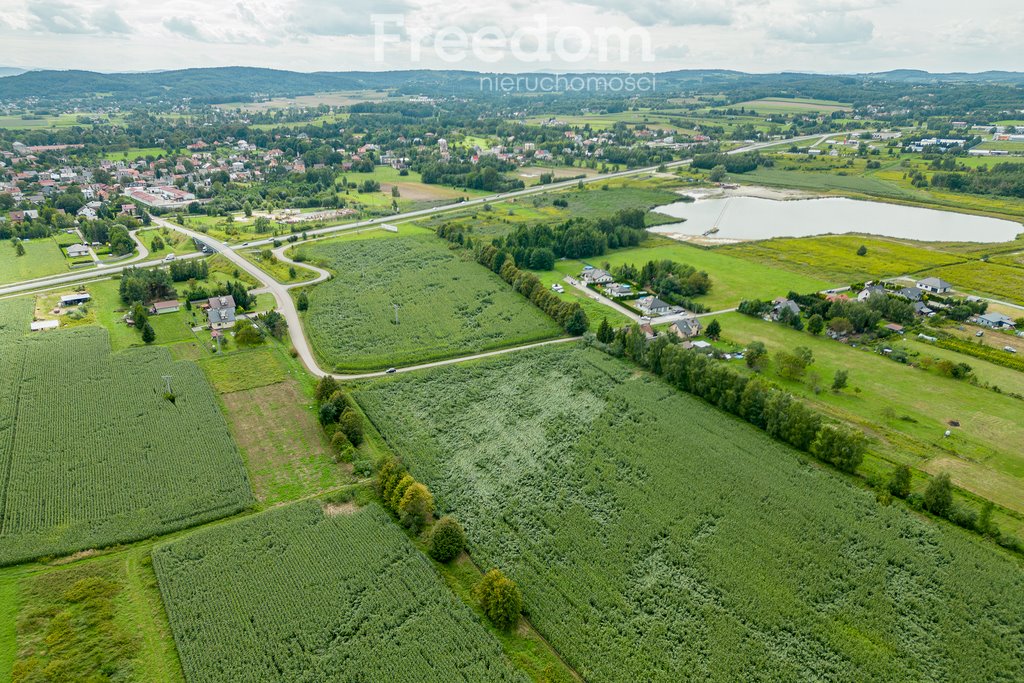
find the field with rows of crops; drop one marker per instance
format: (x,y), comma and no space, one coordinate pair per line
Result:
(656,538)
(448,304)
(93,454)
(297,594)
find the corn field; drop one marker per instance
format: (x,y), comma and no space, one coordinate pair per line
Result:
(658,539)
(93,454)
(294,594)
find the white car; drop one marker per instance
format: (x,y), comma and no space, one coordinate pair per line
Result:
(169,257)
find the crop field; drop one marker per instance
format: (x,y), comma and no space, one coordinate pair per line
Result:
(732,279)
(448,304)
(42,257)
(102,616)
(993,279)
(835,256)
(92,454)
(655,538)
(910,409)
(792,105)
(297,594)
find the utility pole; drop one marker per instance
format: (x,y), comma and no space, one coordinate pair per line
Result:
(167,379)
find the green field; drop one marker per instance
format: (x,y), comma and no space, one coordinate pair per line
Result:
(42,257)
(908,409)
(657,539)
(733,279)
(792,105)
(100,617)
(448,305)
(835,256)
(302,594)
(93,454)
(993,279)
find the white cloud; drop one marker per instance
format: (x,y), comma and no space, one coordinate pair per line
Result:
(58,16)
(824,27)
(668,12)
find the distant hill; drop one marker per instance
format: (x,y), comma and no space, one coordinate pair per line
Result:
(10,71)
(244,84)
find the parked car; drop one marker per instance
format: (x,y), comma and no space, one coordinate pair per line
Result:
(391,371)
(979,333)
(169,257)
(1009,349)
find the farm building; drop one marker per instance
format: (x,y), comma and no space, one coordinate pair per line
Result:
(997,321)
(934,285)
(170,306)
(76,250)
(74,299)
(43,325)
(652,305)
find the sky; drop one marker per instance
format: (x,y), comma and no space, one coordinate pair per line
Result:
(824,36)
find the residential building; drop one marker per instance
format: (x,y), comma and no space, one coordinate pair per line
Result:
(934,285)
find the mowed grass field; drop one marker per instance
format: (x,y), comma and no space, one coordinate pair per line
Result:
(835,256)
(733,279)
(92,452)
(908,409)
(42,257)
(655,538)
(303,593)
(448,305)
(265,398)
(97,619)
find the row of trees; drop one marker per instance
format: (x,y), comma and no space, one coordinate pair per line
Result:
(750,398)
(569,315)
(341,420)
(411,501)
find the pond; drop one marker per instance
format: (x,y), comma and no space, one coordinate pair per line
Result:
(754,218)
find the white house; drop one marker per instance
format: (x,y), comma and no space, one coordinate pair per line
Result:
(997,321)
(934,285)
(652,305)
(596,276)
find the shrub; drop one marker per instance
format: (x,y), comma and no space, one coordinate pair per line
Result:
(351,423)
(447,540)
(938,497)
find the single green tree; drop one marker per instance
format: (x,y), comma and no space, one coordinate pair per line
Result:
(19,248)
(302,303)
(416,507)
(839,380)
(714,330)
(938,497)
(351,423)
(899,481)
(756,356)
(577,322)
(500,599)
(815,324)
(605,333)
(862,251)
(148,333)
(447,540)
